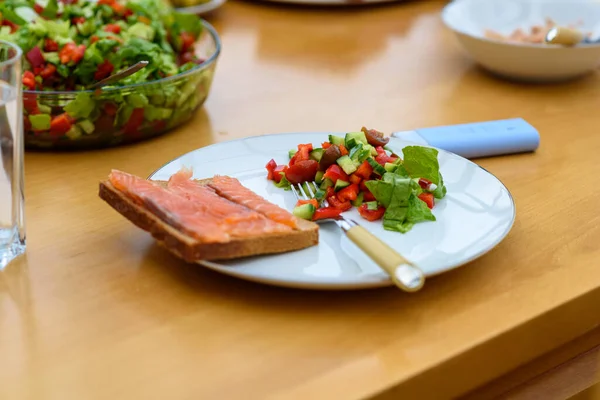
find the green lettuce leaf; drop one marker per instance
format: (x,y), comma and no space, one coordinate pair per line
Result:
(284,183)
(50,10)
(81,107)
(422,162)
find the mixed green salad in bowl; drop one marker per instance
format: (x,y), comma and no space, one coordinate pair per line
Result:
(69,45)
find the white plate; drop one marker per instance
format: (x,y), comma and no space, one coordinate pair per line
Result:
(201,9)
(476,214)
(334,2)
(521,61)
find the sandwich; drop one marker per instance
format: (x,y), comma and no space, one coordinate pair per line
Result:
(210,219)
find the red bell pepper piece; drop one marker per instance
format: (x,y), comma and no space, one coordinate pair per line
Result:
(364,171)
(71,52)
(77,20)
(424,183)
(337,203)
(35,57)
(270,168)
(94,39)
(355,179)
(314,202)
(50,45)
(111,108)
(30,103)
(29,80)
(104,70)
(60,124)
(302,154)
(136,119)
(329,192)
(371,215)
(48,71)
(349,193)
(325,145)
(335,172)
(277,172)
(113,28)
(326,212)
(428,199)
(302,171)
(343,149)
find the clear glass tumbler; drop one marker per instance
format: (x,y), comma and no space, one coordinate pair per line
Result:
(12,223)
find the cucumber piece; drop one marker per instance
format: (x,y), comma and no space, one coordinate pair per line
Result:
(354,138)
(87,126)
(40,122)
(372,205)
(74,133)
(340,184)
(305,211)
(319,176)
(359,154)
(316,154)
(347,164)
(377,168)
(359,200)
(390,167)
(371,149)
(326,183)
(44,109)
(291,153)
(336,140)
(320,194)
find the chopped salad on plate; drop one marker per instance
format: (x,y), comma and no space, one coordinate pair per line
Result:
(360,170)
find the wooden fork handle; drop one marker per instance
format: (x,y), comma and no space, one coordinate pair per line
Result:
(404,274)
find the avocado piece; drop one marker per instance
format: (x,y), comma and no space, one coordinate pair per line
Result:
(319,176)
(305,211)
(40,122)
(347,164)
(354,138)
(317,154)
(390,167)
(292,153)
(340,184)
(87,126)
(377,168)
(326,183)
(359,200)
(336,140)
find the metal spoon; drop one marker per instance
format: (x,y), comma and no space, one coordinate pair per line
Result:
(124,73)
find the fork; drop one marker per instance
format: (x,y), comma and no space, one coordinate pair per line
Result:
(403,273)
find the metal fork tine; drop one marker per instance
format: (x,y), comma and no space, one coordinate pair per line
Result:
(301,189)
(308,186)
(295,192)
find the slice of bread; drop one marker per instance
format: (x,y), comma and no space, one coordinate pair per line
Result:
(192,250)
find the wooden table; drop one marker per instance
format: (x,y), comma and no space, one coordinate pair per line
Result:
(97,311)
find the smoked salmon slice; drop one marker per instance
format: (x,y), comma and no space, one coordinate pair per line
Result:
(233,190)
(233,218)
(173,209)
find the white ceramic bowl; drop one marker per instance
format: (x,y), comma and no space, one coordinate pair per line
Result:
(469,19)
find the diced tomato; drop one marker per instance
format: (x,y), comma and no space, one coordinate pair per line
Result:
(371,215)
(314,202)
(187,41)
(368,196)
(343,150)
(118,8)
(424,183)
(38,9)
(104,70)
(302,171)
(29,80)
(77,20)
(337,203)
(355,179)
(335,172)
(35,57)
(302,154)
(326,212)
(187,57)
(30,103)
(12,25)
(48,71)
(50,45)
(71,52)
(329,192)
(60,124)
(325,145)
(136,119)
(26,124)
(128,12)
(271,165)
(113,28)
(380,150)
(277,172)
(364,171)
(383,158)
(348,193)
(111,108)
(94,39)
(428,199)
(105,123)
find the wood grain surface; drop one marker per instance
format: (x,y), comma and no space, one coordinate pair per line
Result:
(96,311)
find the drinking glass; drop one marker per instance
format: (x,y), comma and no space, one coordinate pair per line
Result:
(12,226)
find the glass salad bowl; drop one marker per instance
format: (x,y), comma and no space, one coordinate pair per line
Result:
(121,115)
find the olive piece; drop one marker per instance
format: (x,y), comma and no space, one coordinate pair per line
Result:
(330,156)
